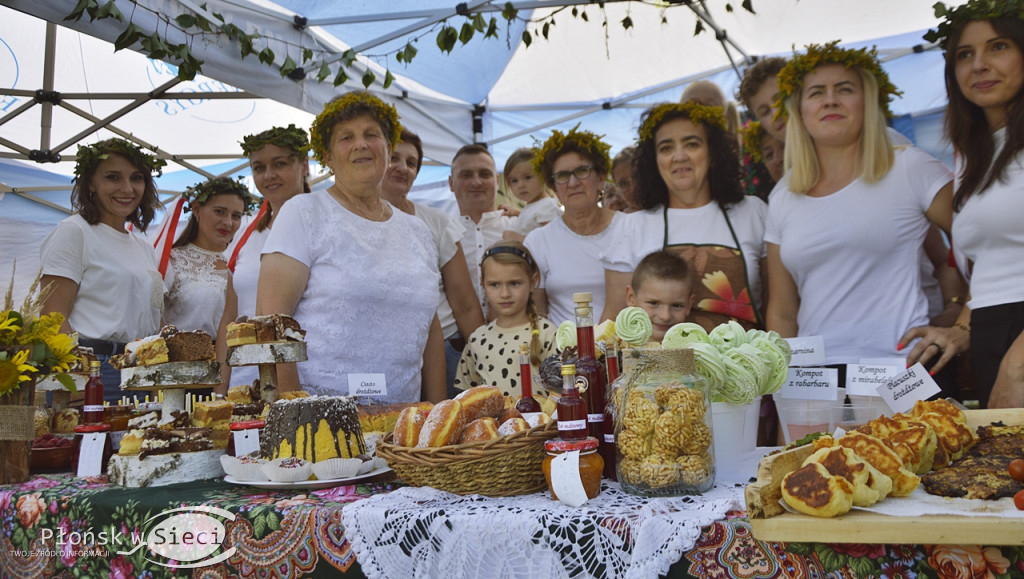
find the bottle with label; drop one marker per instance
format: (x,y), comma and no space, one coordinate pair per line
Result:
(612,359)
(92,411)
(572,410)
(527,405)
(591,370)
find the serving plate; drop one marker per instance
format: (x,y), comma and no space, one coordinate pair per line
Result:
(307,484)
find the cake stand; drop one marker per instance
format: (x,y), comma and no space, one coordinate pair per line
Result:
(267,355)
(172,378)
(61,395)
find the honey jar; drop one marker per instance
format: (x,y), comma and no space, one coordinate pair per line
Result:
(590,466)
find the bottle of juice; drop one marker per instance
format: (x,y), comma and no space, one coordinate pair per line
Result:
(527,404)
(92,411)
(572,410)
(590,368)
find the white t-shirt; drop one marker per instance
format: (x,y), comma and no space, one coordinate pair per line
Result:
(989,232)
(854,256)
(477,238)
(370,298)
(196,289)
(644,233)
(120,290)
(570,263)
(536,214)
(447,232)
(244,280)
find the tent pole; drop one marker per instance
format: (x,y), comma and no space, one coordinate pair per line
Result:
(49,56)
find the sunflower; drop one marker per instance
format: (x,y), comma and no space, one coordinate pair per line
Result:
(14,371)
(42,329)
(62,347)
(10,323)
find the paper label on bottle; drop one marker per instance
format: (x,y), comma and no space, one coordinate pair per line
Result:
(246,441)
(903,391)
(90,454)
(92,408)
(609,438)
(367,385)
(566,480)
(595,417)
(572,424)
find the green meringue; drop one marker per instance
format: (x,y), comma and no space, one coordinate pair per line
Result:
(565,337)
(684,334)
(633,326)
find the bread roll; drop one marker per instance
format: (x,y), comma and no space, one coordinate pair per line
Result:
(507,413)
(813,490)
(511,426)
(443,425)
(537,418)
(480,401)
(479,430)
(408,426)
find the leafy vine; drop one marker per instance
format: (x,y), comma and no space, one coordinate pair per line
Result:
(156,44)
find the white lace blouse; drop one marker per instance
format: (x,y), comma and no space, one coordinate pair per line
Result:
(196,289)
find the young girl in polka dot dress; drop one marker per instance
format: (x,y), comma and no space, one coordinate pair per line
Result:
(491,357)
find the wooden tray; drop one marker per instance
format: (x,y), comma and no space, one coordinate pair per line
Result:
(770,522)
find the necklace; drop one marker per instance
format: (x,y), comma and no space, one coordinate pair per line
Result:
(362,212)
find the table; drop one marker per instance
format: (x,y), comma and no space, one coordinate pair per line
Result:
(287,534)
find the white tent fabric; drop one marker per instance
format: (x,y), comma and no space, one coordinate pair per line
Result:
(598,76)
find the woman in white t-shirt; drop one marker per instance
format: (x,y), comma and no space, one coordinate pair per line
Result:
(200,295)
(568,250)
(847,221)
(279,161)
(985,122)
(687,183)
(358,275)
(104,278)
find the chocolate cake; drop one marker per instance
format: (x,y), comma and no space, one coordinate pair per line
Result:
(263,329)
(189,346)
(315,428)
(160,441)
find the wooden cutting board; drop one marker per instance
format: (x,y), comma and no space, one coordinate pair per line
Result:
(770,522)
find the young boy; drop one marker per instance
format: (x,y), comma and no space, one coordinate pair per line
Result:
(663,286)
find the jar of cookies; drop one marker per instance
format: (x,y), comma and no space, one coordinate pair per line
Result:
(663,433)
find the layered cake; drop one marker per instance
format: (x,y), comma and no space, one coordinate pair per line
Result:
(315,428)
(131,443)
(264,329)
(170,345)
(217,416)
(160,441)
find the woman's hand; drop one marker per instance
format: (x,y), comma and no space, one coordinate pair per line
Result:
(937,346)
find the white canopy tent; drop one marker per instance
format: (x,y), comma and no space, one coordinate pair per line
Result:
(61,83)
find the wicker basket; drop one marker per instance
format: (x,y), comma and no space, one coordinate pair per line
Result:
(503,467)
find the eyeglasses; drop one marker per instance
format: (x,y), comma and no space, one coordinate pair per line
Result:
(581,173)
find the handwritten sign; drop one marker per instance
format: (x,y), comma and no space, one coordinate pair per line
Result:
(807,350)
(903,391)
(367,385)
(811,384)
(864,379)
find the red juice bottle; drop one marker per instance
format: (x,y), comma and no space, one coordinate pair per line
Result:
(92,411)
(590,368)
(527,404)
(612,358)
(572,410)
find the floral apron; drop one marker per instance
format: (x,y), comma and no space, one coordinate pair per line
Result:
(723,292)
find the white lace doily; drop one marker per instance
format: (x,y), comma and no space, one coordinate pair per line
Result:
(424,532)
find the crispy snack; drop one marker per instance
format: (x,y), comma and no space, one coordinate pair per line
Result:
(659,471)
(813,490)
(668,434)
(640,414)
(696,437)
(633,445)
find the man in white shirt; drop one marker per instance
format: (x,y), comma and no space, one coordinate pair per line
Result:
(474,180)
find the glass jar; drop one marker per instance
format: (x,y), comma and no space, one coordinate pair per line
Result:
(590,463)
(663,428)
(76,445)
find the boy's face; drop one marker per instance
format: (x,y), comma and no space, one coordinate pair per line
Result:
(666,301)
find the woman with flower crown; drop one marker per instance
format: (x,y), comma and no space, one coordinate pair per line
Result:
(360,276)
(200,295)
(847,221)
(279,162)
(983,42)
(687,183)
(104,278)
(575,165)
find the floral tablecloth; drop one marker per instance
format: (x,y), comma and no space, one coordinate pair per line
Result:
(289,534)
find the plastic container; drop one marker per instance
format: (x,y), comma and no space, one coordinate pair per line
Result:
(590,463)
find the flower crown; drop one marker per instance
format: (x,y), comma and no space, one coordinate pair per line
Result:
(91,155)
(791,77)
(751,132)
(972,10)
(336,110)
(696,112)
(584,140)
(291,138)
(199,194)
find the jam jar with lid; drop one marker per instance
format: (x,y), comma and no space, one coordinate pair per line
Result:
(590,464)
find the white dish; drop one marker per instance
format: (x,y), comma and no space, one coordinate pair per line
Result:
(307,484)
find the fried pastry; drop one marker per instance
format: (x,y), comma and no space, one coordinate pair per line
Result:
(841,461)
(882,457)
(813,490)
